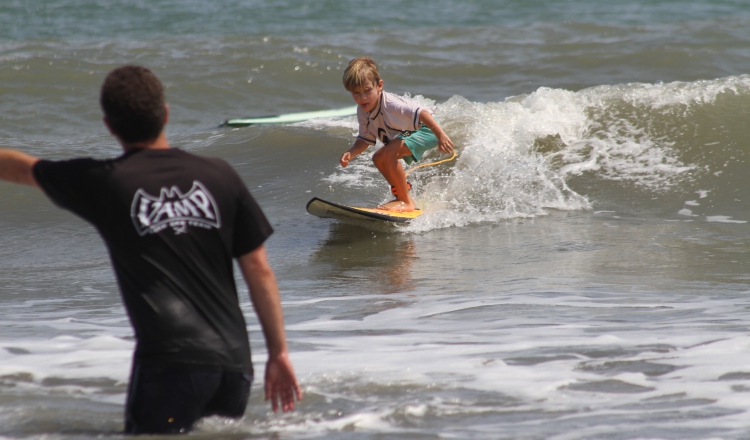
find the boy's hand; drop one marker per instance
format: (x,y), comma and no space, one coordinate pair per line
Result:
(445,144)
(356,149)
(345,158)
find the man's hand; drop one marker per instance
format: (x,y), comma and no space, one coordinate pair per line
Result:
(281,383)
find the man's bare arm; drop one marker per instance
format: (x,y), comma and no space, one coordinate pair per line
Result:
(280,381)
(16,167)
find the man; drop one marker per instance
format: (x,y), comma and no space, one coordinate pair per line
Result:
(173,222)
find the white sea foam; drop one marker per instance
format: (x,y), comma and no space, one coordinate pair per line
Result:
(67,357)
(515,158)
(723,219)
(364,369)
(554,366)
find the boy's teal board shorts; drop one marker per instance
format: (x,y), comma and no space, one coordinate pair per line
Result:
(418,142)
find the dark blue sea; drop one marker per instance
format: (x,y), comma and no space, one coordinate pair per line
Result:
(582,269)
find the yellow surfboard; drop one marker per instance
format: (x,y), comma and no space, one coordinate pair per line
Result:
(325,209)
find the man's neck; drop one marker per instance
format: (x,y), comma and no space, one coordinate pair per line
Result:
(160,143)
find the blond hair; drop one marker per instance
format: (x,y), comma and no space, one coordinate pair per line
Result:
(359,72)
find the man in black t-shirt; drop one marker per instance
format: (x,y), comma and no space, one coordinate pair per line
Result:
(173,222)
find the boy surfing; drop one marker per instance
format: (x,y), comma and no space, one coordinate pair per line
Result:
(406,130)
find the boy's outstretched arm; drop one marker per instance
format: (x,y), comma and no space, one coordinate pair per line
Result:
(356,149)
(17,167)
(445,144)
(280,381)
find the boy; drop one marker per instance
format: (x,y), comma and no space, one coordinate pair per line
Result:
(173,222)
(406,130)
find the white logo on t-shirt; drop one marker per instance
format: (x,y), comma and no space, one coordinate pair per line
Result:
(172,208)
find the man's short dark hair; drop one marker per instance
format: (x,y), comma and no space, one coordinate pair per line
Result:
(132,99)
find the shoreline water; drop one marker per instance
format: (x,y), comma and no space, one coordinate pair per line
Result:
(581,269)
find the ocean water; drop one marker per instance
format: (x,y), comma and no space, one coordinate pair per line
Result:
(581,271)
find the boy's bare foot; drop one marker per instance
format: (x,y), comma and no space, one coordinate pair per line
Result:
(397,206)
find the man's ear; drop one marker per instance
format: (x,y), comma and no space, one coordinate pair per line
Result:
(166,113)
(109,127)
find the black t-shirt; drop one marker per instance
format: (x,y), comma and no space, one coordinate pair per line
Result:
(172,222)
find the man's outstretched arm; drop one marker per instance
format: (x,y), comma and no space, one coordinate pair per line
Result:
(17,167)
(280,381)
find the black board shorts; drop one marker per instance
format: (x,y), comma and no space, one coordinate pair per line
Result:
(169,400)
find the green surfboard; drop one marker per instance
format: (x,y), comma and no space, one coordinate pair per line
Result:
(290,118)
